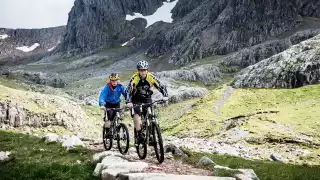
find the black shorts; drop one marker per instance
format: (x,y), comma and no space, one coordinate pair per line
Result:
(111,114)
(137,110)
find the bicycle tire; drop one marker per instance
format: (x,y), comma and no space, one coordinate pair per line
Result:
(107,146)
(126,131)
(156,133)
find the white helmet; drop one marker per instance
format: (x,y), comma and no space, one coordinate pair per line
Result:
(142,65)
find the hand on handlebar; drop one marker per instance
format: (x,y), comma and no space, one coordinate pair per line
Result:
(130,105)
(102,108)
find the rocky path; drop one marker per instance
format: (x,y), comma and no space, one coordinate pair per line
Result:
(111,165)
(169,166)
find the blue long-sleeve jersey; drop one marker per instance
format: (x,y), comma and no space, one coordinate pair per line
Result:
(111,95)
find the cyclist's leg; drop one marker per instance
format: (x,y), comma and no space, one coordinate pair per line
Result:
(110,115)
(137,123)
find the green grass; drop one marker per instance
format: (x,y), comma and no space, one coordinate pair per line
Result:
(35,159)
(15,84)
(89,109)
(265,170)
(298,109)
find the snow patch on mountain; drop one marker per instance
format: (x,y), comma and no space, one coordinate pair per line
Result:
(52,48)
(4,36)
(124,44)
(163,13)
(28,49)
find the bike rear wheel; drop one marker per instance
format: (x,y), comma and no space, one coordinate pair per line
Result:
(141,147)
(157,142)
(107,141)
(123,137)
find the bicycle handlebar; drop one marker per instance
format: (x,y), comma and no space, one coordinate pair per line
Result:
(148,104)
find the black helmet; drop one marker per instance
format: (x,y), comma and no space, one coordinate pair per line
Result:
(142,65)
(114,76)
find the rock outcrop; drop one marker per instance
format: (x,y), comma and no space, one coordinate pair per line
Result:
(180,91)
(97,24)
(199,29)
(67,141)
(20,109)
(207,74)
(295,67)
(252,55)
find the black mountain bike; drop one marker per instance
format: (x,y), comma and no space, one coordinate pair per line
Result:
(118,131)
(151,131)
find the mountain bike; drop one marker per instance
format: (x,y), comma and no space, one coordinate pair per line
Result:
(150,130)
(118,131)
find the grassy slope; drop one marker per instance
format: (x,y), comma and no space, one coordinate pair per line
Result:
(35,159)
(298,110)
(264,170)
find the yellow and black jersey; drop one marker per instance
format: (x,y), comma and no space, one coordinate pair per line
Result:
(140,89)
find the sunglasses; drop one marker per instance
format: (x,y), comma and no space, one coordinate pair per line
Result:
(142,70)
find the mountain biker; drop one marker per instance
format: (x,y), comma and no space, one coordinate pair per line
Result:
(110,97)
(139,91)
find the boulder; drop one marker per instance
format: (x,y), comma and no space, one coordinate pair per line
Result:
(182,93)
(100,156)
(4,156)
(106,162)
(275,158)
(173,149)
(72,142)
(122,168)
(222,167)
(51,137)
(205,161)
(240,174)
(246,174)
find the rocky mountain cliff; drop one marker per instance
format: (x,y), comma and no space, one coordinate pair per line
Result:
(199,29)
(21,43)
(295,67)
(97,24)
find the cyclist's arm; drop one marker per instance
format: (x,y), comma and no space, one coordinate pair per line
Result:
(102,96)
(160,86)
(129,91)
(123,92)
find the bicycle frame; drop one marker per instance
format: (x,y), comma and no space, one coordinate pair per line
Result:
(148,117)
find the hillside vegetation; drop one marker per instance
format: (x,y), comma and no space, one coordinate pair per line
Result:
(32,158)
(296,109)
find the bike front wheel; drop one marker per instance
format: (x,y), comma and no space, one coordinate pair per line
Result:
(157,142)
(123,138)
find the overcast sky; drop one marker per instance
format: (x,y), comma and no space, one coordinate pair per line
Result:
(34,13)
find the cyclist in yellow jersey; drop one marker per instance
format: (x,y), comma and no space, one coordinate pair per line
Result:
(139,91)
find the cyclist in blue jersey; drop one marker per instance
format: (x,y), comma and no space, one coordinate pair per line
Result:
(110,97)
